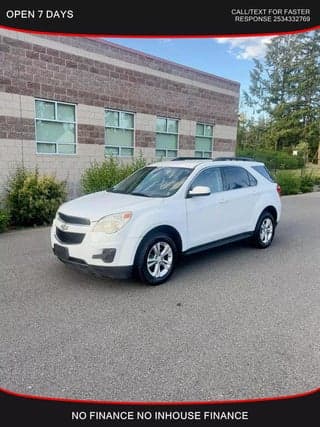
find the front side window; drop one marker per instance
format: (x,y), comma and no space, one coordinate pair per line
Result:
(153,182)
(119,133)
(235,177)
(203,142)
(55,127)
(166,137)
(211,178)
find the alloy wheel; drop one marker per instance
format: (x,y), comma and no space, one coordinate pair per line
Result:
(159,259)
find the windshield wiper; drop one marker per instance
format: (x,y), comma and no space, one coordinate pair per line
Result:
(137,193)
(111,190)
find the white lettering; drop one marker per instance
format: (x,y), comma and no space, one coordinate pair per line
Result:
(78,415)
(112,415)
(23,13)
(225,415)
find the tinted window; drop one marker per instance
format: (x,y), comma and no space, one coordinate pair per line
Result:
(209,178)
(235,177)
(264,172)
(252,180)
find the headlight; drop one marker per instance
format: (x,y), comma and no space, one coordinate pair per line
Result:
(113,223)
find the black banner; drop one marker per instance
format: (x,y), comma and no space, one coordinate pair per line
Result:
(159,20)
(302,410)
(130,20)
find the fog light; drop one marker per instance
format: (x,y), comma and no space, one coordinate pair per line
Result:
(107,255)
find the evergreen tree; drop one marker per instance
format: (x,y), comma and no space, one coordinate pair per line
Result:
(286,86)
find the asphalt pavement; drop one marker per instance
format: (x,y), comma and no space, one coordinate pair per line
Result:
(232,323)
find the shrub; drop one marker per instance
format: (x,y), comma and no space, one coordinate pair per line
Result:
(33,199)
(101,176)
(4,219)
(274,159)
(307,183)
(289,182)
(316,180)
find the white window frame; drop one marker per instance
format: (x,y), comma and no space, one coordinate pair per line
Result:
(203,136)
(120,112)
(167,133)
(56,121)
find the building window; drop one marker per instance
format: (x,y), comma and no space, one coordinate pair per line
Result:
(119,135)
(203,143)
(55,127)
(166,137)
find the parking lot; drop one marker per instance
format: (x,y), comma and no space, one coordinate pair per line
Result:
(232,323)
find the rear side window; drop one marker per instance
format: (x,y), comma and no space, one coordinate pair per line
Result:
(262,170)
(235,177)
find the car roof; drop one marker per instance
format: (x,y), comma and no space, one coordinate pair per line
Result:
(193,163)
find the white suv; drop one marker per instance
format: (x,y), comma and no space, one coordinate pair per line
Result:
(165,209)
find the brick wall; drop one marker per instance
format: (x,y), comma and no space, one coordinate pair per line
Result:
(144,138)
(130,55)
(90,134)
(16,127)
(30,69)
(95,75)
(186,142)
(223,144)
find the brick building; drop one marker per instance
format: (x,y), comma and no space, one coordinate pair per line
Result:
(65,101)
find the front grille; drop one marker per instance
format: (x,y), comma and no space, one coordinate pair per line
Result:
(73,219)
(67,237)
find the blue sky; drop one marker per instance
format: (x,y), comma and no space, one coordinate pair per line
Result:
(226,57)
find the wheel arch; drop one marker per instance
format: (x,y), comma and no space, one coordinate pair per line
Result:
(272,210)
(167,229)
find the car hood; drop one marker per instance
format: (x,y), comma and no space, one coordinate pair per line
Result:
(97,205)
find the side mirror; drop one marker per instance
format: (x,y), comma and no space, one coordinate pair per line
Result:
(199,191)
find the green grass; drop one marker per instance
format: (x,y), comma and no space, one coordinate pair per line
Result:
(294,181)
(310,169)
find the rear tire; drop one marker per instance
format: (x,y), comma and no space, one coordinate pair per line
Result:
(156,259)
(264,231)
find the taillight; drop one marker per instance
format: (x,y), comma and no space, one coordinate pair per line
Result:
(279,189)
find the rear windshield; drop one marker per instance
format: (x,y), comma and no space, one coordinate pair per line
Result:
(264,172)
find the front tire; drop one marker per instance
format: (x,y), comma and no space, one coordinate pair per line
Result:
(264,231)
(156,259)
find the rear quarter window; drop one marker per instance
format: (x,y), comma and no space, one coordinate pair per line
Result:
(262,170)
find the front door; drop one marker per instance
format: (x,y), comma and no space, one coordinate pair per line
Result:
(205,214)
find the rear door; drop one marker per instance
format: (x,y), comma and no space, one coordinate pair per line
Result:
(240,196)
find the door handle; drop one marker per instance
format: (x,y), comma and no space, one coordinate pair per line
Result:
(222,201)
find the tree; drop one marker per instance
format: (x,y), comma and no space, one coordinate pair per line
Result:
(251,133)
(286,87)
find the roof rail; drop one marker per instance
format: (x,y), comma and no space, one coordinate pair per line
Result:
(191,158)
(246,159)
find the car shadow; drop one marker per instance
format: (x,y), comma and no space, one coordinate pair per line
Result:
(74,276)
(186,265)
(199,258)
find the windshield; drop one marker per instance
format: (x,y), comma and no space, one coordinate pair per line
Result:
(153,181)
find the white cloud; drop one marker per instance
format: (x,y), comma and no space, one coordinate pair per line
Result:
(165,41)
(246,47)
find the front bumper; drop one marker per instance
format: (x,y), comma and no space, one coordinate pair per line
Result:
(104,255)
(114,272)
